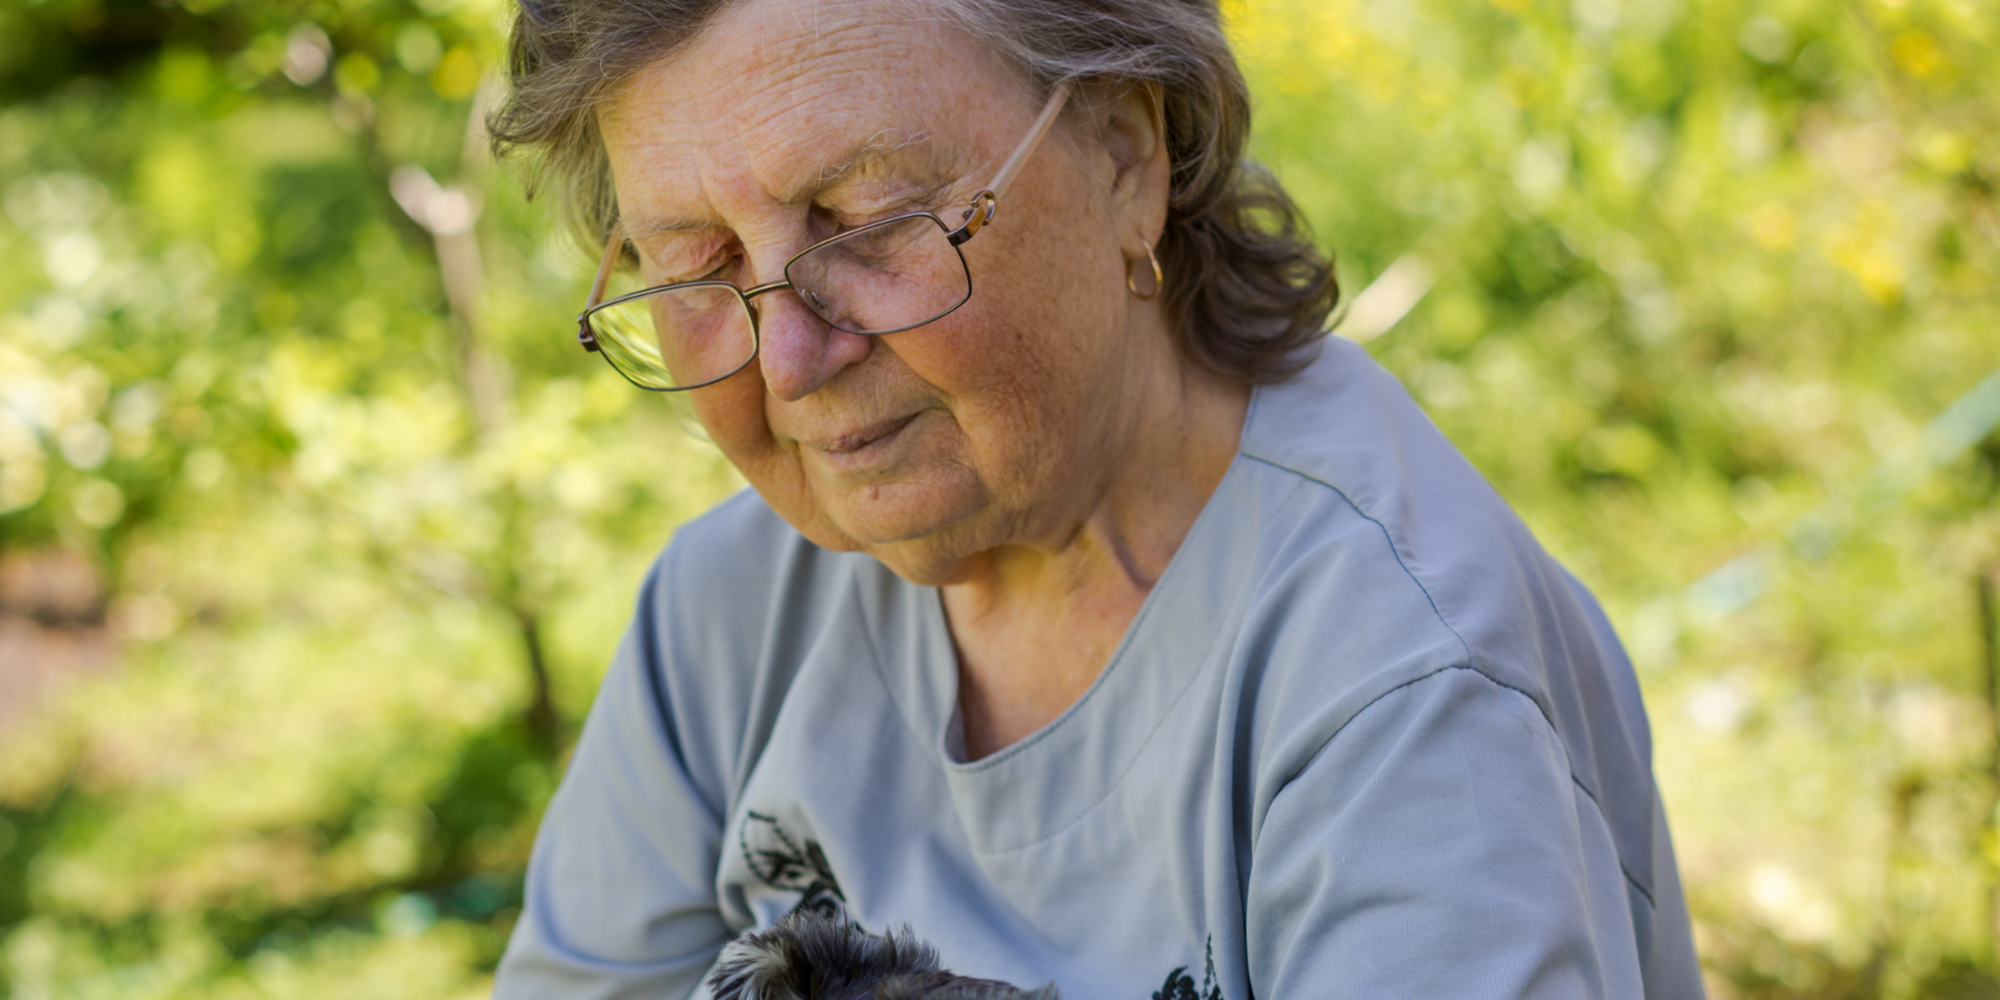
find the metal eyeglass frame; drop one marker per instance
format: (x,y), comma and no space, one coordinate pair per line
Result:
(984,205)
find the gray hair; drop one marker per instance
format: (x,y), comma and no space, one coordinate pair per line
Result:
(807,956)
(1246,291)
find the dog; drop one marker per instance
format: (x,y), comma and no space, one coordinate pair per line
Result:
(808,956)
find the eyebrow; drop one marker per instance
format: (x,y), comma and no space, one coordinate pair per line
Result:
(876,148)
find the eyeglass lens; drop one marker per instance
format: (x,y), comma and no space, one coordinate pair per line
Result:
(883,278)
(678,338)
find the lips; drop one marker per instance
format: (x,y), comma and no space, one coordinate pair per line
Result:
(857,440)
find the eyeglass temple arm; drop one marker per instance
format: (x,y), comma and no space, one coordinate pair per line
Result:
(612,248)
(987,200)
(1047,120)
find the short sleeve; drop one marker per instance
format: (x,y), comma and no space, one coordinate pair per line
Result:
(621,886)
(1436,846)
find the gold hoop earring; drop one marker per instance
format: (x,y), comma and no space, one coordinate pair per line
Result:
(1159,279)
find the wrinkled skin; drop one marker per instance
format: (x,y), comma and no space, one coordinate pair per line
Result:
(1039,453)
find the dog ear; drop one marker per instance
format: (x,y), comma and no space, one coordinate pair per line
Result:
(753,967)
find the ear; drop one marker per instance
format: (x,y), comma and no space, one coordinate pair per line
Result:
(1134,136)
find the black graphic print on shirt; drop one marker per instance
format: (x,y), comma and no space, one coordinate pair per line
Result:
(781,863)
(1180,985)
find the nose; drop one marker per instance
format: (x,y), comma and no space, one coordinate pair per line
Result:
(798,352)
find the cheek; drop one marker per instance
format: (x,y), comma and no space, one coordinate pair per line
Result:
(1041,339)
(732,412)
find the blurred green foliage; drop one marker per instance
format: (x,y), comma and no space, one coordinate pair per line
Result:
(1689,278)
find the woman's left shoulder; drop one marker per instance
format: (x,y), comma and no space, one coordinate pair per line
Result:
(1398,512)
(1402,561)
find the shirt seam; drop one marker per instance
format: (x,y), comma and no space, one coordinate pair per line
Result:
(1471,661)
(1606,820)
(1595,805)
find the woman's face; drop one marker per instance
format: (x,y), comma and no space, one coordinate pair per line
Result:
(785,123)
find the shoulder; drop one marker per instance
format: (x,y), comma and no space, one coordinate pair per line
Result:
(736,542)
(1347,431)
(711,594)
(1454,564)
(719,631)
(1401,517)
(1348,427)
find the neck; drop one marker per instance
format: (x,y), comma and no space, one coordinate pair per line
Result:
(1036,622)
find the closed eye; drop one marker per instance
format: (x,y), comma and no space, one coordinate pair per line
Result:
(676,259)
(833,221)
(720,271)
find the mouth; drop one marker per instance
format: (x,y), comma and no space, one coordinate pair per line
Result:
(856,447)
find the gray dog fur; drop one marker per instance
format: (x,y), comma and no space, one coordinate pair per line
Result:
(807,956)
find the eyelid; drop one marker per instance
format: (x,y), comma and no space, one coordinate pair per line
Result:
(704,262)
(844,220)
(910,199)
(931,203)
(709,270)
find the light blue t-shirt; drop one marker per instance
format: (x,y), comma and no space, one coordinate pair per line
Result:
(1364,739)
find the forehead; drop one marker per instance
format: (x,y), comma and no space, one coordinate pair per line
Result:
(776,95)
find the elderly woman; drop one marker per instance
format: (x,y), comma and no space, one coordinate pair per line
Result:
(1091,614)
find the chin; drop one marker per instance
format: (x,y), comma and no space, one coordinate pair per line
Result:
(924,546)
(922,529)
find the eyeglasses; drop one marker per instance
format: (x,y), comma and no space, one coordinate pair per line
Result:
(884,277)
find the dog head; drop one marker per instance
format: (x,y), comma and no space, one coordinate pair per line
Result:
(810,957)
